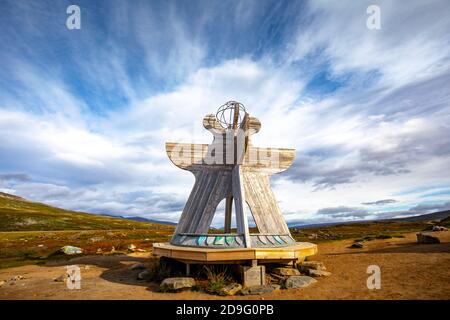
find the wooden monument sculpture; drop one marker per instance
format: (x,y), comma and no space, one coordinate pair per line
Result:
(232,169)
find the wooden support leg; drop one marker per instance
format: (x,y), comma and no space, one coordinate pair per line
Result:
(227,226)
(188,269)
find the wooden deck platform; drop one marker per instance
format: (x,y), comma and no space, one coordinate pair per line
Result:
(191,255)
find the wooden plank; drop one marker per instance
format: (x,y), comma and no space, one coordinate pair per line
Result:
(224,256)
(239,200)
(262,202)
(187,155)
(266,254)
(294,252)
(228,213)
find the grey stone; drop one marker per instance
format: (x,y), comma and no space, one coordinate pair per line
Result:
(427,239)
(299,282)
(231,289)
(439,228)
(257,290)
(144,275)
(71,250)
(137,266)
(318,273)
(357,245)
(253,276)
(275,286)
(177,283)
(305,266)
(286,271)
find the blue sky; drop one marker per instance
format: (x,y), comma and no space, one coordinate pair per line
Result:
(84,114)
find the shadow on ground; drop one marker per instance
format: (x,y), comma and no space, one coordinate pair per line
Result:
(117,268)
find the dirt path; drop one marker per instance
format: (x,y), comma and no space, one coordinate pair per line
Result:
(408,271)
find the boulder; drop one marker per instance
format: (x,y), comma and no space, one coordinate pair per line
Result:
(137,266)
(439,228)
(427,239)
(131,248)
(357,245)
(172,284)
(71,250)
(275,286)
(2,283)
(305,266)
(257,290)
(286,271)
(294,282)
(144,275)
(318,273)
(230,290)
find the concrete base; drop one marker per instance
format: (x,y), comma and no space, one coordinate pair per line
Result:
(253,275)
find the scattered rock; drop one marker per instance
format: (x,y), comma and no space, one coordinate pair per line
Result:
(286,271)
(177,283)
(439,228)
(2,283)
(257,290)
(131,248)
(141,250)
(299,282)
(144,275)
(231,289)
(305,266)
(275,286)
(40,245)
(137,266)
(313,236)
(276,276)
(427,239)
(356,245)
(71,250)
(318,273)
(113,250)
(96,239)
(99,250)
(61,278)
(16,278)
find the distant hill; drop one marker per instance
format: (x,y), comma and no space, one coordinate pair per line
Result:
(440,215)
(141,219)
(435,216)
(19,214)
